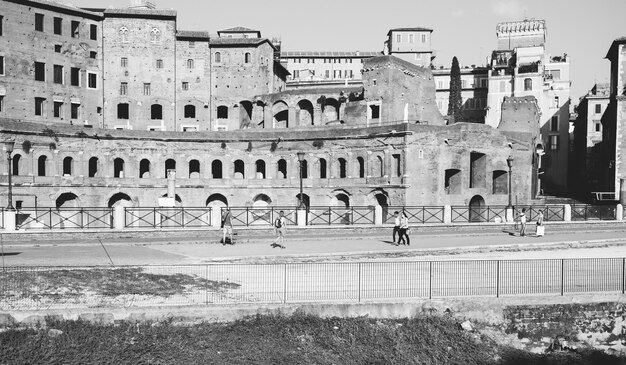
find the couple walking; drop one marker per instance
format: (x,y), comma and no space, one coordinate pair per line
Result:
(521,217)
(401,227)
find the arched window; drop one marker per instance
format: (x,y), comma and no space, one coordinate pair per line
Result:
(218,57)
(170,164)
(190,63)
(222,112)
(123,34)
(68,166)
(282,169)
(42,161)
(190,111)
(380,167)
(247,57)
(156,111)
(361,163)
(118,168)
(194,169)
(343,167)
(16,165)
(260,169)
(323,168)
(216,169)
(528,84)
(93,167)
(144,169)
(155,35)
(240,172)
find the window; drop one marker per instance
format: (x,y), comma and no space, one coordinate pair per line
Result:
(41,165)
(598,127)
(1,25)
(398,38)
(282,169)
(439,84)
(247,57)
(122,111)
(39,22)
(192,44)
(155,35)
(397,165)
(240,172)
(554,123)
(57,48)
(556,101)
(146,88)
(39,106)
(322,168)
(68,164)
(40,71)
(499,182)
(123,34)
(75,76)
(222,112)
(57,111)
(463,84)
(156,112)
(58,26)
(124,62)
(92,80)
(93,167)
(159,63)
(343,168)
(528,84)
(124,88)
(327,75)
(361,166)
(75,111)
(93,54)
(190,63)
(1,65)
(296,74)
(185,85)
(144,169)
(57,74)
(598,108)
(118,168)
(216,169)
(423,38)
(1,102)
(93,32)
(190,111)
(218,57)
(478,170)
(75,29)
(554,142)
(502,86)
(411,38)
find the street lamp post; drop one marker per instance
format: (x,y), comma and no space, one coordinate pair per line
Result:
(9,147)
(300,199)
(509,163)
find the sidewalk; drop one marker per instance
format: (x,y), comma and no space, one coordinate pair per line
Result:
(572,241)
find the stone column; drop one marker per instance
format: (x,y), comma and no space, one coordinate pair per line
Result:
(567,213)
(293,119)
(447,214)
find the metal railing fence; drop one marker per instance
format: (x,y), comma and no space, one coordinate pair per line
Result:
(167,217)
(584,212)
(64,218)
(27,288)
(340,215)
(415,214)
(465,214)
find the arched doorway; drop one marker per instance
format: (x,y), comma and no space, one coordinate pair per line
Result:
(341,211)
(120,199)
(245,114)
(331,110)
(305,200)
(217,202)
(305,113)
(280,111)
(477,209)
(382,200)
(261,214)
(67,216)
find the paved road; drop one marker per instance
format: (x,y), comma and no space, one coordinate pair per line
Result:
(562,243)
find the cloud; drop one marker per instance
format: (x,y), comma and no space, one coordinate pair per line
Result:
(508,8)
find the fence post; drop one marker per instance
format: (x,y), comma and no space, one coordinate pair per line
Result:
(498,279)
(119,218)
(430,280)
(623,274)
(378,215)
(562,276)
(285,285)
(447,214)
(359,287)
(619,212)
(9,220)
(567,213)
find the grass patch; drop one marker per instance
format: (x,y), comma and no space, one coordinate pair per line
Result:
(299,339)
(103,282)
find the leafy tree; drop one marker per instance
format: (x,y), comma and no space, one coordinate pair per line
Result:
(455,101)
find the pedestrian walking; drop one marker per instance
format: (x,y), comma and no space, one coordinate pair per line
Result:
(396,225)
(403,238)
(540,226)
(522,222)
(280,226)
(227,227)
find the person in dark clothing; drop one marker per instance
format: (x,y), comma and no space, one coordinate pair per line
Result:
(403,238)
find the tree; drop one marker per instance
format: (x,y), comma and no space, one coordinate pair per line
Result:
(455,101)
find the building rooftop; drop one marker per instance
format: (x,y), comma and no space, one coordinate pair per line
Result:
(414,29)
(620,40)
(328,54)
(521,26)
(192,34)
(57,6)
(141,13)
(239,42)
(238,30)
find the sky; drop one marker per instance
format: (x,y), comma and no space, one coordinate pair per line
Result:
(463,28)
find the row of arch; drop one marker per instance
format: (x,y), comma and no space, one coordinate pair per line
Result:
(340,168)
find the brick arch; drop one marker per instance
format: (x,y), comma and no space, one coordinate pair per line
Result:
(280,114)
(116,196)
(305,112)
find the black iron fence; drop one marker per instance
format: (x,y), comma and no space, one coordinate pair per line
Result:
(29,288)
(171,217)
(64,218)
(415,214)
(583,212)
(340,216)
